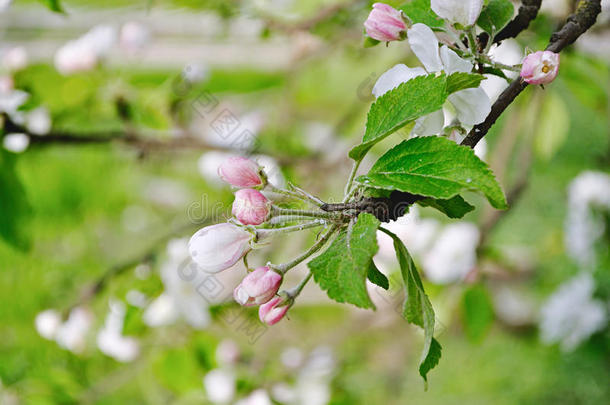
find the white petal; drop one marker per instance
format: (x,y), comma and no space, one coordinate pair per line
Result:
(394,77)
(425,46)
(431,124)
(452,62)
(471,105)
(465,12)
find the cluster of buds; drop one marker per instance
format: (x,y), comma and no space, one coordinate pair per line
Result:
(218,247)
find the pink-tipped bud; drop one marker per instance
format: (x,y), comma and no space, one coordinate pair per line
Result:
(240,172)
(251,207)
(540,67)
(257,287)
(385,23)
(218,247)
(273,311)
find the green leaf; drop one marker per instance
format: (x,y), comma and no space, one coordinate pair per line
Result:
(415,98)
(343,268)
(417,309)
(460,81)
(496,15)
(419,11)
(393,110)
(553,126)
(377,277)
(370,42)
(14,205)
(54,5)
(477,311)
(496,72)
(455,207)
(434,167)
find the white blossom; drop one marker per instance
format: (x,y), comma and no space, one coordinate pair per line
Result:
(453,254)
(72,334)
(464,12)
(47,323)
(472,105)
(84,53)
(134,36)
(38,121)
(588,194)
(15,58)
(571,314)
(110,339)
(219,386)
(257,397)
(16,142)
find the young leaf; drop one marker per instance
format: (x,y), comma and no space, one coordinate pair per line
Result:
(13,204)
(460,81)
(396,108)
(434,167)
(477,312)
(54,5)
(496,15)
(419,11)
(377,277)
(343,268)
(415,98)
(455,207)
(417,309)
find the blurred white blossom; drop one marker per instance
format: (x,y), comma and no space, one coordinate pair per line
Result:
(110,339)
(15,58)
(587,193)
(16,143)
(72,334)
(219,386)
(227,353)
(571,314)
(47,323)
(84,53)
(181,298)
(453,254)
(208,165)
(4,4)
(257,397)
(38,121)
(134,36)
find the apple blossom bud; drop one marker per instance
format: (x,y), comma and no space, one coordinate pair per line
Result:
(273,311)
(385,23)
(250,207)
(540,67)
(241,172)
(257,287)
(218,247)
(464,12)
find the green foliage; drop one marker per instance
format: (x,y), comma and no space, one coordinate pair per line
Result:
(496,15)
(377,277)
(477,312)
(417,309)
(413,99)
(54,5)
(455,207)
(553,127)
(419,11)
(13,204)
(343,268)
(434,167)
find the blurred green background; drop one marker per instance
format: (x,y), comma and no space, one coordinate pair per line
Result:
(297,76)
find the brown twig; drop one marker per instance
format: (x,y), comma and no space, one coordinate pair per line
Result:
(527,13)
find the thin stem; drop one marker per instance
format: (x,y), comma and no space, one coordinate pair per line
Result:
(309,197)
(472,43)
(350,180)
(456,38)
(486,59)
(294,194)
(261,233)
(284,267)
(293,293)
(275,210)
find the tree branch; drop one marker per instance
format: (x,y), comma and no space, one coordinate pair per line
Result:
(527,13)
(397,204)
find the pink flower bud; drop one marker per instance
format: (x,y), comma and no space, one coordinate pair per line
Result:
(218,247)
(385,23)
(257,287)
(540,67)
(240,172)
(271,312)
(250,207)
